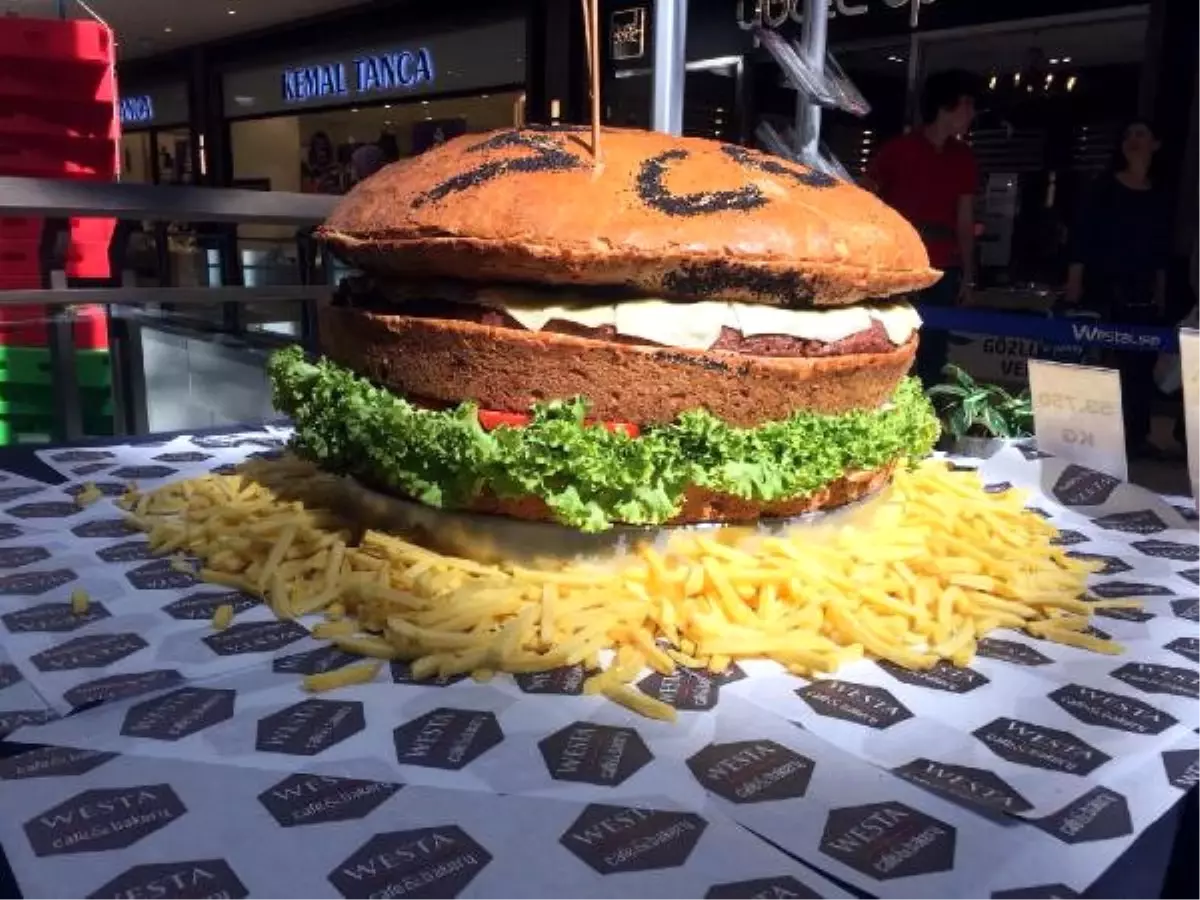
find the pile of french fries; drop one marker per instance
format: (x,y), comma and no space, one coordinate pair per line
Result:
(919,577)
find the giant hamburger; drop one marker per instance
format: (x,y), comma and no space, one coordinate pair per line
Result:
(687,332)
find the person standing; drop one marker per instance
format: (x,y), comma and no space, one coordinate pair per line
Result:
(929,175)
(1118,259)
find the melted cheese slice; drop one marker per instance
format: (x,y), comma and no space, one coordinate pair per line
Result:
(697,326)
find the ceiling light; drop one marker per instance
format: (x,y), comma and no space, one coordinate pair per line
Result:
(429,118)
(355,109)
(1071,83)
(892,57)
(1054,60)
(1016,77)
(1049,79)
(484,96)
(167,29)
(232,12)
(992,83)
(424,102)
(387,106)
(1066,59)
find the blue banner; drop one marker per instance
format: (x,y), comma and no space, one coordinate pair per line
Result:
(1075,332)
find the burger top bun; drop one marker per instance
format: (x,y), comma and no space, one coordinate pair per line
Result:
(659,216)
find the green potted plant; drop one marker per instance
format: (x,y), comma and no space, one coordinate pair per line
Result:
(977,418)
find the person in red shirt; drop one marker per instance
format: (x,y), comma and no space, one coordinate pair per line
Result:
(929,176)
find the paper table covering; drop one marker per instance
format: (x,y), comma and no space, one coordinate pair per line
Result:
(899,783)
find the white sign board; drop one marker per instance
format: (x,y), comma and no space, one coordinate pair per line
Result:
(1189,359)
(1077,415)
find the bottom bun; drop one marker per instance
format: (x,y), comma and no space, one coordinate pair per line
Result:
(702,506)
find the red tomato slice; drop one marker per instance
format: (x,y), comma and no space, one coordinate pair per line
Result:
(490,419)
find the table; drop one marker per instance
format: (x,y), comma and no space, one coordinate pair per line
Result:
(1163,852)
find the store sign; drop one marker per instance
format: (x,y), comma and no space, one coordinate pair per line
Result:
(775,13)
(628,33)
(138,110)
(383,72)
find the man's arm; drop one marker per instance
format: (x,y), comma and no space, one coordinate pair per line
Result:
(966,242)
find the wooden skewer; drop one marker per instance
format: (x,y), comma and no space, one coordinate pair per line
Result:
(591,29)
(594,56)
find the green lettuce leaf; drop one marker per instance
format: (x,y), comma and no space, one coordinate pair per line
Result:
(589,476)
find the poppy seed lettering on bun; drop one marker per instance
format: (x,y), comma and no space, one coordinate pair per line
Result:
(689,332)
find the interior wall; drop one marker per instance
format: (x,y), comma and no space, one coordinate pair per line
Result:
(268,149)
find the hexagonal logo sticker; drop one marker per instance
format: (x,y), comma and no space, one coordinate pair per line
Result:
(313,662)
(1182,768)
(778,887)
(612,839)
(944,676)
(104,528)
(9,531)
(1186,608)
(1040,747)
(1120,590)
(8,494)
(1152,678)
(998,487)
(90,469)
(52,762)
(310,727)
(1011,651)
(1038,511)
(121,687)
(1111,711)
(190,878)
(143,473)
(92,651)
(160,575)
(203,605)
(402,674)
(594,754)
(1187,647)
(107,488)
(1169,550)
(966,784)
(1110,565)
(1037,892)
(1142,521)
(228,441)
(315,799)
(1078,486)
(862,704)
(888,840)
(20,718)
(82,456)
(226,469)
(46,509)
(752,771)
(179,714)
(1030,452)
(34,584)
(1124,614)
(1192,575)
(447,738)
(108,819)
(126,552)
(684,689)
(1067,538)
(185,456)
(9,675)
(423,862)
(53,617)
(255,637)
(15,557)
(565,680)
(1099,815)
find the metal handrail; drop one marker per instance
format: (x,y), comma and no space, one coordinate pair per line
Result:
(63,198)
(129,296)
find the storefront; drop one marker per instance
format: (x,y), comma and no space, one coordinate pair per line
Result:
(155,134)
(297,119)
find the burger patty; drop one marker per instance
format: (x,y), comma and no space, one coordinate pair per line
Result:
(440,361)
(873,339)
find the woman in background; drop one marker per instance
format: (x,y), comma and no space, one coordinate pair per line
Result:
(1119,252)
(320,173)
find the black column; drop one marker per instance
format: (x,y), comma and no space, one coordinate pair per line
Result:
(554,61)
(1170,96)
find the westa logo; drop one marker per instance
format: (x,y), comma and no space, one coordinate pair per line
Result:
(1114,337)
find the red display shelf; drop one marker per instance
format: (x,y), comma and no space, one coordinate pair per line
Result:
(27,326)
(46,157)
(35,118)
(78,41)
(56,84)
(20,265)
(20,228)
